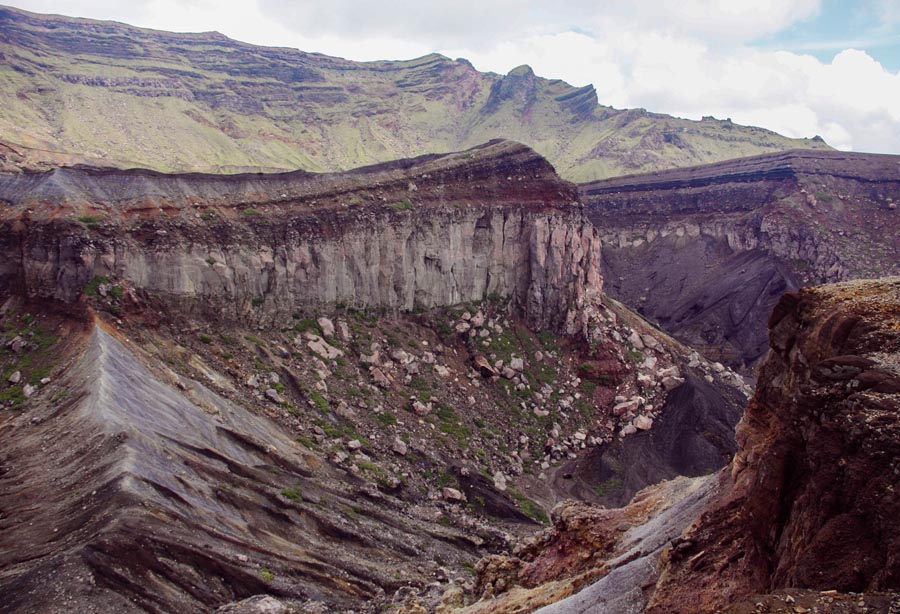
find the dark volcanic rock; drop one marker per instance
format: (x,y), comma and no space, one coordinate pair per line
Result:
(707,251)
(809,501)
(693,436)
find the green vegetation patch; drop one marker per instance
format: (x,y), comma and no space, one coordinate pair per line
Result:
(93,287)
(529,507)
(386,419)
(609,486)
(91,220)
(403,205)
(294,494)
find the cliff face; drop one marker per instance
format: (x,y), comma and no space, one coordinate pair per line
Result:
(261,248)
(809,502)
(707,251)
(202,102)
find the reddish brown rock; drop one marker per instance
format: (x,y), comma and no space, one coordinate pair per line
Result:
(810,499)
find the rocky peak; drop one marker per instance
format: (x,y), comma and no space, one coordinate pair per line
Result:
(518,86)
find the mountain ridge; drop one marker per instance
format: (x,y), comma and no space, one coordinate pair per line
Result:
(111,94)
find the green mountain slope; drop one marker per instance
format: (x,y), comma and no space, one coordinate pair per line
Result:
(76,90)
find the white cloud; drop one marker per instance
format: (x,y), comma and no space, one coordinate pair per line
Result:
(477,24)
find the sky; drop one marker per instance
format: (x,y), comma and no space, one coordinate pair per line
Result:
(799,67)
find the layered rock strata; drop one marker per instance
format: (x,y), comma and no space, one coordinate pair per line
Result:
(439,230)
(805,513)
(203,102)
(707,251)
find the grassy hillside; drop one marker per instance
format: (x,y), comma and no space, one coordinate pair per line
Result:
(76,90)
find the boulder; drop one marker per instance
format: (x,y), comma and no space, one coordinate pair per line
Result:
(625,406)
(343,331)
(402,356)
(322,348)
(483,366)
(258,604)
(477,320)
(635,339)
(15,378)
(452,495)
(643,423)
(500,481)
(517,364)
(651,342)
(669,372)
(327,326)
(399,447)
(381,378)
(421,409)
(671,383)
(273,396)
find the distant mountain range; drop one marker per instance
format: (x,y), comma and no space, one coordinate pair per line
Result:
(84,91)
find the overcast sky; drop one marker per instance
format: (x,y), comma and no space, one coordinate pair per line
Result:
(799,67)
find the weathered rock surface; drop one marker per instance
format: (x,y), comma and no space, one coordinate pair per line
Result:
(707,251)
(170,504)
(809,499)
(593,560)
(495,221)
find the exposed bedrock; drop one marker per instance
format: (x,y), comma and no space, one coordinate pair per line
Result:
(142,492)
(436,231)
(548,262)
(810,499)
(707,251)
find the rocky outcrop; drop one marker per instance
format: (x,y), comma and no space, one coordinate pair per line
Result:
(441,230)
(804,517)
(593,559)
(707,251)
(809,499)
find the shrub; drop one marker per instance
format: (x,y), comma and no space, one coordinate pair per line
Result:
(294,494)
(93,286)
